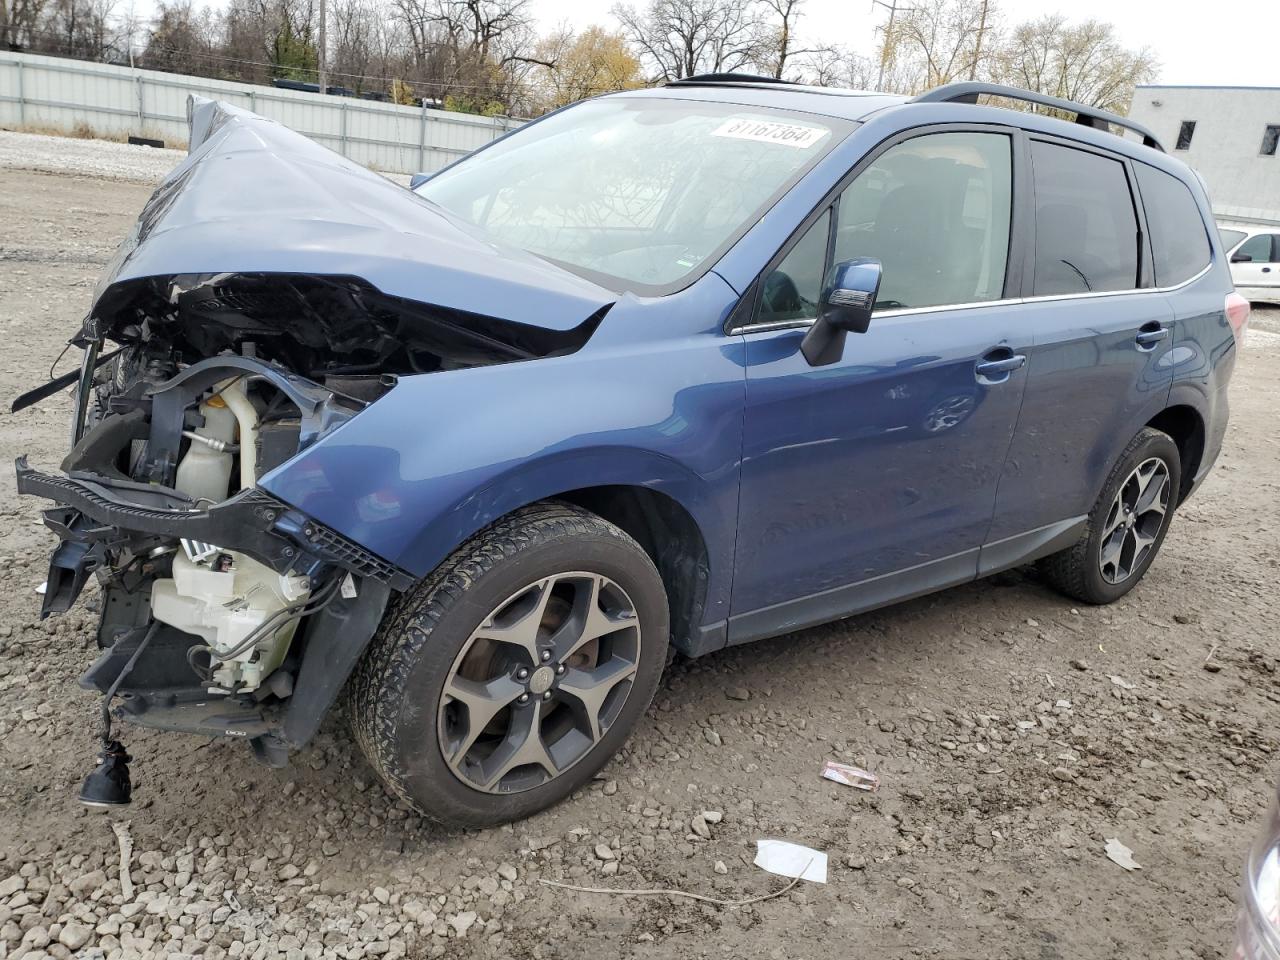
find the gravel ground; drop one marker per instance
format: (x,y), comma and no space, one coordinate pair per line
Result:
(86,158)
(1014,735)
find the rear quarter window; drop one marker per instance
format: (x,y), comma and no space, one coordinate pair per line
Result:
(1179,239)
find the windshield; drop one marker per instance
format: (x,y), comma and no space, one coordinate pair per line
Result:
(1230,237)
(641,190)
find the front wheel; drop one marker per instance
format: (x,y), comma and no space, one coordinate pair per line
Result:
(511,675)
(1126,526)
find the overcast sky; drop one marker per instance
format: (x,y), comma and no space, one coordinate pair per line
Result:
(1231,42)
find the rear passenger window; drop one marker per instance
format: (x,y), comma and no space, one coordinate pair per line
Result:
(1179,243)
(1086,227)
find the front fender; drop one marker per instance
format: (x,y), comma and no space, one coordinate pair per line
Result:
(443,455)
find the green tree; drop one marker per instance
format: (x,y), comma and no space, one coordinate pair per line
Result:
(293,56)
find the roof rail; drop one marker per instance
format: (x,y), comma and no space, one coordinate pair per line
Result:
(968,92)
(702,78)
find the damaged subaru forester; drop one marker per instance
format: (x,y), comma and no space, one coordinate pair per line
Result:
(664,371)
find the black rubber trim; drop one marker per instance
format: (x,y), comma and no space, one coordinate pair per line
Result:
(253,522)
(854,598)
(968,91)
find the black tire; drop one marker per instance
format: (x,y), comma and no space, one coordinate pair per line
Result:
(396,692)
(1078,570)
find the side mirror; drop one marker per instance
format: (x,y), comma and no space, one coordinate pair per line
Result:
(418,179)
(845,307)
(1241,258)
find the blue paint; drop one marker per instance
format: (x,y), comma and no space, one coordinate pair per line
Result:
(802,480)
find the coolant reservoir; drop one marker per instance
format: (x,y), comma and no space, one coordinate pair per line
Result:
(205,473)
(223,606)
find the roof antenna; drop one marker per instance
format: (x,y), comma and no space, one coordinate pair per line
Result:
(108,784)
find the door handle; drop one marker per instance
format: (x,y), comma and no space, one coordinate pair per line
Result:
(1266,269)
(993,368)
(1150,337)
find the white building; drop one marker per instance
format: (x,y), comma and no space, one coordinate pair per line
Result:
(1231,135)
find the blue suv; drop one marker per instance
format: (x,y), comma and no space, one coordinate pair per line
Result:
(665,371)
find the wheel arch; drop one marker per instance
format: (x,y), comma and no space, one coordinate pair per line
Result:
(685,523)
(670,535)
(1185,425)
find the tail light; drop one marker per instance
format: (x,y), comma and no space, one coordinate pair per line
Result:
(1238,310)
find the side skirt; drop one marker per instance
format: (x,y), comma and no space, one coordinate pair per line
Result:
(902,585)
(854,598)
(1032,545)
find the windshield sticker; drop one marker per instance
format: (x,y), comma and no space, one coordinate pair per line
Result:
(770,131)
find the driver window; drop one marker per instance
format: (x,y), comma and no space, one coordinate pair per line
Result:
(791,290)
(934,210)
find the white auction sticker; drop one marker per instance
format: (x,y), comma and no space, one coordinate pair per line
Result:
(770,131)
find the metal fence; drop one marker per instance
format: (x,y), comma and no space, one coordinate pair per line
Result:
(64,95)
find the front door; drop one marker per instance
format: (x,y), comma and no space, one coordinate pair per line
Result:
(875,477)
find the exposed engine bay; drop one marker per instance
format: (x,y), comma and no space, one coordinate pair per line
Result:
(225,610)
(269,292)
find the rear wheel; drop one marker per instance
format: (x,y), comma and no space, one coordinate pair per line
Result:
(1126,526)
(508,677)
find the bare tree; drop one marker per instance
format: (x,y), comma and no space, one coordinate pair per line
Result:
(838,67)
(179,40)
(682,38)
(1082,62)
(778,37)
(475,50)
(19,23)
(944,39)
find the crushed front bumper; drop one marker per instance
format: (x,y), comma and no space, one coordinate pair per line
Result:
(95,514)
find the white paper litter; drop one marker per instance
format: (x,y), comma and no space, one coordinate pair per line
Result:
(1121,855)
(850,776)
(791,860)
(42,588)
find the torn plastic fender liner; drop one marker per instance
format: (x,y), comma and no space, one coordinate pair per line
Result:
(32,397)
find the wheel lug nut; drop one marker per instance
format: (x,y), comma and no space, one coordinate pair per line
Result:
(546,655)
(547,695)
(522,674)
(560,669)
(524,698)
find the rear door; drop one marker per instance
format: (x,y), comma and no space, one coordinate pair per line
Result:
(1099,363)
(1258,276)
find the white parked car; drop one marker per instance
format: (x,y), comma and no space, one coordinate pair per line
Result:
(1254,253)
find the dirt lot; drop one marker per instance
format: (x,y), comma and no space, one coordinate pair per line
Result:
(1013,733)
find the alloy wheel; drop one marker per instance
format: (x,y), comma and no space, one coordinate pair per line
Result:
(539,682)
(1133,523)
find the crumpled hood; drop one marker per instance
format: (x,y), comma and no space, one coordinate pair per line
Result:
(255,197)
